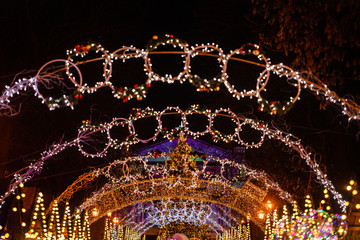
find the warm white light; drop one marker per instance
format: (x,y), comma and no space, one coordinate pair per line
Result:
(95,212)
(115,220)
(269,204)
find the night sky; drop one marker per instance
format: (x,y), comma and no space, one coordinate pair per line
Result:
(34,32)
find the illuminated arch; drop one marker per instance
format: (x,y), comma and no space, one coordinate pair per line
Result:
(247,200)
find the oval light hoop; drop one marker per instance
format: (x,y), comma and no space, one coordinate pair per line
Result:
(253,125)
(263,75)
(197,111)
(178,111)
(167,78)
(234,119)
(82,137)
(282,71)
(132,129)
(208,48)
(39,76)
(121,54)
(116,143)
(105,55)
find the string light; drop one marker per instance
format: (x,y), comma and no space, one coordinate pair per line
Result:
(241,232)
(66,227)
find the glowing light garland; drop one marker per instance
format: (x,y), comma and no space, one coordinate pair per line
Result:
(88,131)
(48,79)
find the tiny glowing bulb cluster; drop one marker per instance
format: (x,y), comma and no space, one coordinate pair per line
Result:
(38,216)
(352,187)
(241,232)
(312,224)
(318,224)
(56,228)
(115,231)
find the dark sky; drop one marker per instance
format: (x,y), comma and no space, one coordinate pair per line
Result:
(34,32)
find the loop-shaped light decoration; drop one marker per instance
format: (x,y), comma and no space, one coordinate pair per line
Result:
(139,91)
